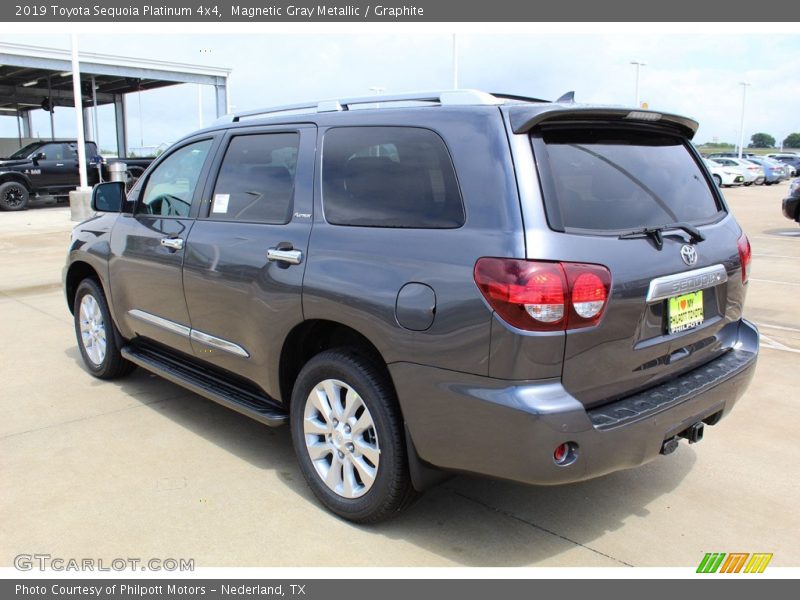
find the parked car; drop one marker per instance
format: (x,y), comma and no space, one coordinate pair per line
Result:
(540,292)
(791,160)
(724,176)
(791,204)
(50,168)
(717,155)
(773,172)
(751,173)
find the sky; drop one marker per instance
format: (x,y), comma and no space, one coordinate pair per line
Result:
(694,74)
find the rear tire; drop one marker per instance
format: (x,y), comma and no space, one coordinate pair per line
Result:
(98,339)
(14,196)
(349,439)
(718,180)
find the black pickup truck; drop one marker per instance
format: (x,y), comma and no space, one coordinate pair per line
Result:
(50,168)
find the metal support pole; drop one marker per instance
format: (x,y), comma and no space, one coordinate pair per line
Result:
(121,125)
(638,66)
(52,110)
(744,85)
(76,90)
(221,93)
(19,127)
(96,131)
(88,130)
(27,124)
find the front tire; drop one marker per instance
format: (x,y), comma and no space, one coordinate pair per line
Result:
(349,439)
(98,339)
(14,196)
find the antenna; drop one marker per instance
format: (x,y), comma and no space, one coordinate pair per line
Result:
(568,98)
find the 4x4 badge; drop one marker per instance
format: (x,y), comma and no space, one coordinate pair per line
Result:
(688,254)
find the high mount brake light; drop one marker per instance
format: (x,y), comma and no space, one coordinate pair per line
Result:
(544,296)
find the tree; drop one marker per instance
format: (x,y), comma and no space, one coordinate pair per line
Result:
(792,141)
(762,140)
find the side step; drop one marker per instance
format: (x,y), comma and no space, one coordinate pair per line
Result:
(257,406)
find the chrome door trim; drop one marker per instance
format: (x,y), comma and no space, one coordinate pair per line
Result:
(219,343)
(160,322)
(662,288)
(183,330)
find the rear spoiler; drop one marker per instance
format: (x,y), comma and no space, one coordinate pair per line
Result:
(525,118)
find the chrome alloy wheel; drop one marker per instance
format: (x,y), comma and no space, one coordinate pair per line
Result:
(341,439)
(93,330)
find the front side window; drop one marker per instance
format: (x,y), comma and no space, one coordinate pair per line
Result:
(256,179)
(605,179)
(389,177)
(53,151)
(170,188)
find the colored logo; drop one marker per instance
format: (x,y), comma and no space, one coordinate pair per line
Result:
(734,562)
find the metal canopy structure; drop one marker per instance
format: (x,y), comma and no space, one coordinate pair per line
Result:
(34,78)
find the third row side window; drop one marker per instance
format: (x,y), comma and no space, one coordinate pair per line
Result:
(389,177)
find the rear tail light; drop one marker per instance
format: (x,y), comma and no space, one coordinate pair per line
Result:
(544,296)
(745,255)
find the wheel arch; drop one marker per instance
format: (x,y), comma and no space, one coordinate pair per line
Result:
(311,337)
(16,177)
(77,272)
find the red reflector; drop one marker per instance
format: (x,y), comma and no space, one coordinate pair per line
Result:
(745,256)
(561,453)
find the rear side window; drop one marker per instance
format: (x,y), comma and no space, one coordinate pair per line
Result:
(256,180)
(612,180)
(389,177)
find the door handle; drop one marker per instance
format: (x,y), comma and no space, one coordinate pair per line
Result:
(59,164)
(288,256)
(172,243)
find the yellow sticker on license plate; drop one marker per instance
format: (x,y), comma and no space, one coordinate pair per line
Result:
(685,312)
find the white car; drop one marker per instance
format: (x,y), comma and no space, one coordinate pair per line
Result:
(723,175)
(752,173)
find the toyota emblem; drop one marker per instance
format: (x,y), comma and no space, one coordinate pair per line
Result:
(689,254)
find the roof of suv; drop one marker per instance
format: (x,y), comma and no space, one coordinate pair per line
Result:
(524,112)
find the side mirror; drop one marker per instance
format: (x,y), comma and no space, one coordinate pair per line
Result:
(39,156)
(108,197)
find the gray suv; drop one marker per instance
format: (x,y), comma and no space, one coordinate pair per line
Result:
(431,283)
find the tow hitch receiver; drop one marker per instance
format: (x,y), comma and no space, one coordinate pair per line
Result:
(694,433)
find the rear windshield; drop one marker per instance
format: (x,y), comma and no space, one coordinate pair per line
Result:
(612,180)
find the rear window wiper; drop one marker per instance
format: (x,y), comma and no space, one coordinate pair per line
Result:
(656,233)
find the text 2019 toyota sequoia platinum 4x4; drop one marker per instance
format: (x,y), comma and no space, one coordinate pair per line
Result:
(429,283)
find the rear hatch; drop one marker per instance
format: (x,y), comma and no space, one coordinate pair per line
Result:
(635,198)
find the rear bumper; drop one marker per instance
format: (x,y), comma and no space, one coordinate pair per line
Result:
(509,429)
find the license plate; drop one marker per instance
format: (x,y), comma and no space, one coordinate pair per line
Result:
(685,312)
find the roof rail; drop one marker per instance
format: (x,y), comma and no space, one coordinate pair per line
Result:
(444,98)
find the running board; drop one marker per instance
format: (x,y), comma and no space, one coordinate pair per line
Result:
(257,406)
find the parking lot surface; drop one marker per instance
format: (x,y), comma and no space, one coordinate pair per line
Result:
(141,468)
